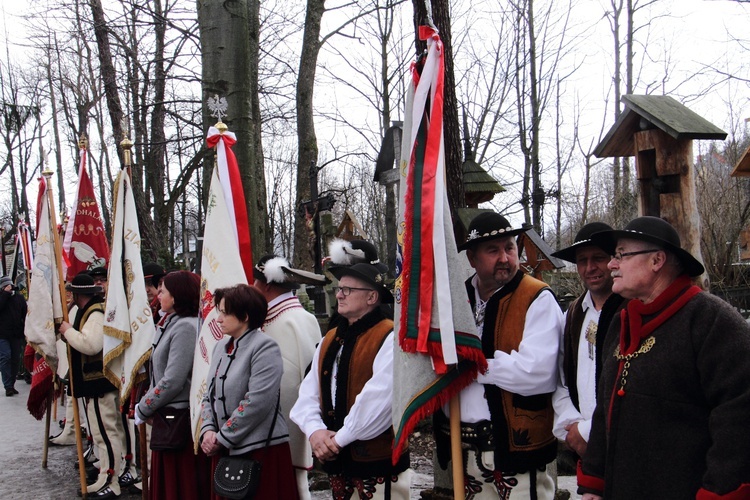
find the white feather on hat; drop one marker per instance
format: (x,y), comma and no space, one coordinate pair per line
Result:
(273,270)
(342,253)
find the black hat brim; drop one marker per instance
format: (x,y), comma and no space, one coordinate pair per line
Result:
(84,290)
(492,236)
(607,240)
(339,272)
(569,253)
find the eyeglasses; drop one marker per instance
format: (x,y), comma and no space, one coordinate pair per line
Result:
(347,290)
(618,256)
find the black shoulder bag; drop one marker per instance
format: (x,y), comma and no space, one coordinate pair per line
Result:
(238,478)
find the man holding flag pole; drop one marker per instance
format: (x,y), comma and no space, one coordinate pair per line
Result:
(45,307)
(84,247)
(446,346)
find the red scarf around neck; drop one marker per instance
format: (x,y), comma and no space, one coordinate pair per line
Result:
(671,300)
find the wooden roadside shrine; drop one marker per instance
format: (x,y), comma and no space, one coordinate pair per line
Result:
(659,132)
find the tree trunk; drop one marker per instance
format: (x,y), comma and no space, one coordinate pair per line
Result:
(537,191)
(307,141)
(154,156)
(616,165)
(229,37)
(111,91)
(107,68)
(451,124)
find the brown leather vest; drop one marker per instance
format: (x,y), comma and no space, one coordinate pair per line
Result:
(529,418)
(360,371)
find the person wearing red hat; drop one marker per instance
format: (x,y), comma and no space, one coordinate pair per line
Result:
(674,394)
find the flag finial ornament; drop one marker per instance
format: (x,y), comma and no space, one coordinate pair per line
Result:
(126,144)
(47,172)
(83,142)
(218,107)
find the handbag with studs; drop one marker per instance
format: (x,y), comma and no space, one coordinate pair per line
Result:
(237,477)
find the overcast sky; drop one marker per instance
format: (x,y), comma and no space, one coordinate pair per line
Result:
(695,35)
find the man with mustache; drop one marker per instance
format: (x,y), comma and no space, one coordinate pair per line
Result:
(674,398)
(506,413)
(586,324)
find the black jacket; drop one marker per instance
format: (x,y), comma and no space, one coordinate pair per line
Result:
(12,315)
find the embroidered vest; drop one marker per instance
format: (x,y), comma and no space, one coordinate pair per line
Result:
(572,335)
(360,458)
(87,371)
(522,425)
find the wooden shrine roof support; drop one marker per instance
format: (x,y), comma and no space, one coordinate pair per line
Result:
(643,112)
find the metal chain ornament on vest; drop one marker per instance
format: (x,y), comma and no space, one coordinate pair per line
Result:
(645,347)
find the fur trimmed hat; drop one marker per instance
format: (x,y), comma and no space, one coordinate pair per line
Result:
(276,270)
(270,269)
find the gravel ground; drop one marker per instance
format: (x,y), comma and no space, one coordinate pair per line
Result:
(22,476)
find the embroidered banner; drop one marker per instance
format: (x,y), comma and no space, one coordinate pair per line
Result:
(440,351)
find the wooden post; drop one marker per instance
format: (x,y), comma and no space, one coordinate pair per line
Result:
(45,447)
(457,458)
(61,282)
(666,181)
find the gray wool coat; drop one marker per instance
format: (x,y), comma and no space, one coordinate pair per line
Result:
(243,392)
(171,366)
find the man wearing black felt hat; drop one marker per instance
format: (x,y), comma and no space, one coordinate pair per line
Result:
(674,393)
(586,324)
(86,340)
(506,414)
(344,405)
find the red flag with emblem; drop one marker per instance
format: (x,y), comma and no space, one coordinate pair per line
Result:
(85,245)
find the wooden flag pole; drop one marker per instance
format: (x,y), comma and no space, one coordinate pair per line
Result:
(45,446)
(127,159)
(61,283)
(457,458)
(144,460)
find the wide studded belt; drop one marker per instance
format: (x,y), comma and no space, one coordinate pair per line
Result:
(477,434)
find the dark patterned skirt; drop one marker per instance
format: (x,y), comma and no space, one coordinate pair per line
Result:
(179,475)
(277,478)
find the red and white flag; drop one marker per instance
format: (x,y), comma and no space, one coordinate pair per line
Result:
(234,194)
(440,351)
(44,304)
(24,244)
(128,323)
(222,263)
(85,244)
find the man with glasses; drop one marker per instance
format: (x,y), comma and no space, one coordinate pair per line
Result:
(674,394)
(506,414)
(586,324)
(344,405)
